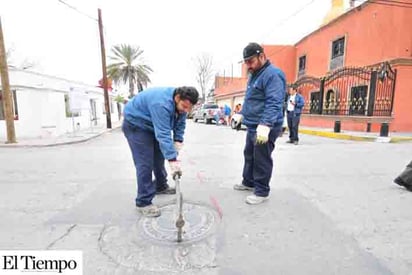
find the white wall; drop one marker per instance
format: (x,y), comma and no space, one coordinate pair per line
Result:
(84,120)
(223,102)
(239,99)
(42,110)
(29,111)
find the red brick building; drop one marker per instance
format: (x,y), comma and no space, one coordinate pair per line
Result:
(356,69)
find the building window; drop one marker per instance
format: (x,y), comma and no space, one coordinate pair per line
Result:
(358,98)
(338,53)
(69,113)
(338,47)
(302,65)
(15,107)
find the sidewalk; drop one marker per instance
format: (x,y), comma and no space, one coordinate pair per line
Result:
(357,136)
(68,138)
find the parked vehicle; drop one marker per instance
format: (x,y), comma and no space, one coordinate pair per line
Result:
(234,120)
(206,113)
(192,112)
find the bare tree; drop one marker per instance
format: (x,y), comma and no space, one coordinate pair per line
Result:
(204,72)
(23,65)
(28,64)
(9,53)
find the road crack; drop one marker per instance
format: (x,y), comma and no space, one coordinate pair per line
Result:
(62,236)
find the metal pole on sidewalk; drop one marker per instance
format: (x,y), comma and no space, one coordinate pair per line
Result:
(106,93)
(7,96)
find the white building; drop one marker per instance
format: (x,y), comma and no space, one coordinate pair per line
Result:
(47,106)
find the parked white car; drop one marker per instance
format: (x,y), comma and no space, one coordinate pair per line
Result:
(206,113)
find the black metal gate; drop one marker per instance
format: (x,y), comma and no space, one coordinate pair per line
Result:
(350,91)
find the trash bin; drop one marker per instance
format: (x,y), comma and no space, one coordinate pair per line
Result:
(384,130)
(336,129)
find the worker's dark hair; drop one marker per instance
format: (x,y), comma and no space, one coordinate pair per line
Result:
(187,93)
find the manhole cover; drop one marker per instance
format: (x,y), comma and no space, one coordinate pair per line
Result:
(200,221)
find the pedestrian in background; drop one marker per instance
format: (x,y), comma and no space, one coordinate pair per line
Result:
(228,112)
(219,116)
(238,108)
(294,110)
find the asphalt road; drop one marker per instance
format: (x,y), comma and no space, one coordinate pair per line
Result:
(333,208)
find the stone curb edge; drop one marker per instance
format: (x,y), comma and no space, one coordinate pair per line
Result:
(59,143)
(352,137)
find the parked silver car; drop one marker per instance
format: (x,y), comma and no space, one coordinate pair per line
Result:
(206,113)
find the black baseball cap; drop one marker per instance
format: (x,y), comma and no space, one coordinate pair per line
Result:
(251,50)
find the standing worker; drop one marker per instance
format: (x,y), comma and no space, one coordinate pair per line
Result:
(149,120)
(263,116)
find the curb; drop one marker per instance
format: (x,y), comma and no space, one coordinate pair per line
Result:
(336,135)
(400,139)
(354,138)
(59,143)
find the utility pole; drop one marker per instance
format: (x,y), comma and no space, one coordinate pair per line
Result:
(7,97)
(106,93)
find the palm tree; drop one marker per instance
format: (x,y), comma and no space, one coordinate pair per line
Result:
(127,65)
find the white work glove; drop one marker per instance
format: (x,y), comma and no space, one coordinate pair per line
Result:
(262,134)
(175,168)
(178,146)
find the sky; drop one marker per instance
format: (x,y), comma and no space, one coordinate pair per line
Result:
(172,33)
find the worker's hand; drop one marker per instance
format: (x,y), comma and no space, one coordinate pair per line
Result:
(262,134)
(239,122)
(178,146)
(175,168)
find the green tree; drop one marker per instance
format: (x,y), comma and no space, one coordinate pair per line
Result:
(127,66)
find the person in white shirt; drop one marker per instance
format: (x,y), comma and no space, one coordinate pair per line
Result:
(294,108)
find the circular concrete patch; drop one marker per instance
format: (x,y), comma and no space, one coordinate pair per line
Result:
(150,243)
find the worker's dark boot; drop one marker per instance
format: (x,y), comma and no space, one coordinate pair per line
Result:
(167,191)
(400,182)
(241,187)
(405,178)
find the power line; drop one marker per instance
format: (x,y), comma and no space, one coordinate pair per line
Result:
(283,21)
(394,2)
(280,50)
(390,3)
(77,10)
(379,2)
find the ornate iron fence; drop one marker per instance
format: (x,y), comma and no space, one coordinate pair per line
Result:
(350,91)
